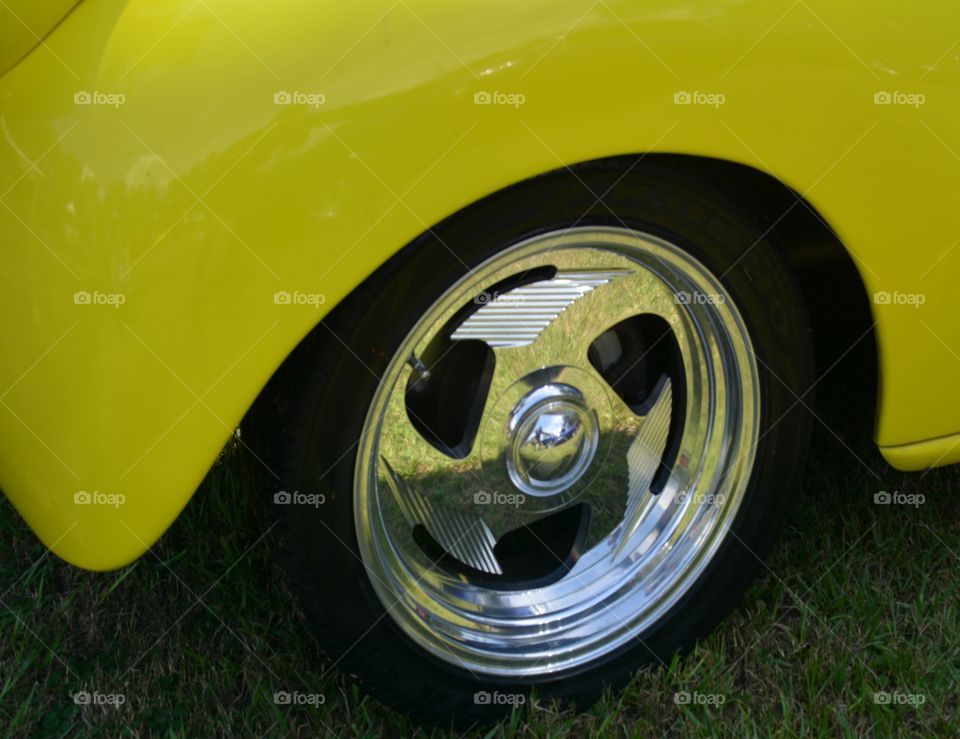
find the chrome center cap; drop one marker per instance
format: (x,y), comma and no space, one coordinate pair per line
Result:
(551,439)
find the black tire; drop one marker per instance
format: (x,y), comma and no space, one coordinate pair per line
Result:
(313,412)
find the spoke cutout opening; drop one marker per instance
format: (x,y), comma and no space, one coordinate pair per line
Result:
(445,394)
(632,356)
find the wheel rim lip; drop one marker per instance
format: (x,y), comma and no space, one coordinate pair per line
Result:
(578,630)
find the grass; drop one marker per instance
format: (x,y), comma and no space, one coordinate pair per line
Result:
(200,633)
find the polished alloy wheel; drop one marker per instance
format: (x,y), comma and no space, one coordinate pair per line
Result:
(556,451)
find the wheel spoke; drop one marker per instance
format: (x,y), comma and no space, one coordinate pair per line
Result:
(644,459)
(427,484)
(467,538)
(523,318)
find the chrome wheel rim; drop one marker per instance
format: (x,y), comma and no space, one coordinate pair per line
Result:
(570,443)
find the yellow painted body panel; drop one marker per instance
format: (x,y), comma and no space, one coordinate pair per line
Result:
(924,454)
(180,163)
(24,23)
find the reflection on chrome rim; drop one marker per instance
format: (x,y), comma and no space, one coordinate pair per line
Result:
(556,451)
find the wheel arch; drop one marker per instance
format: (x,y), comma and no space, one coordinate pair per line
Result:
(836,297)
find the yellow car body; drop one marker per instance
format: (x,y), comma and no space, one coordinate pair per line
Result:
(186,188)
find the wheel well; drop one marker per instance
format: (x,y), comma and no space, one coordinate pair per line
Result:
(836,297)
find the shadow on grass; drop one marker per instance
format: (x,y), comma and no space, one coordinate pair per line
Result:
(199,635)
